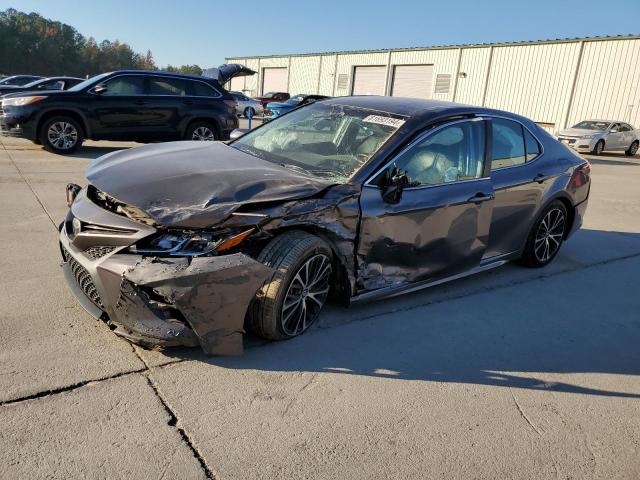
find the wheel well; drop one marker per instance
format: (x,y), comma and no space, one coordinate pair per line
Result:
(211,121)
(69,113)
(571,213)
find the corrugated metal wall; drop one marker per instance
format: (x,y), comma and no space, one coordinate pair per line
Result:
(553,83)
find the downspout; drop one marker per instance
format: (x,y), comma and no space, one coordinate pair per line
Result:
(574,82)
(387,85)
(455,80)
(486,78)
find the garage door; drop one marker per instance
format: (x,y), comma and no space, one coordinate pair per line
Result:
(237,84)
(415,81)
(274,80)
(369,81)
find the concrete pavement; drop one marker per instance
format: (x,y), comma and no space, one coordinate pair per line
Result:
(514,373)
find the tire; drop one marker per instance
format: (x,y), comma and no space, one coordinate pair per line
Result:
(544,243)
(632,150)
(61,135)
(275,314)
(249,110)
(201,131)
(599,148)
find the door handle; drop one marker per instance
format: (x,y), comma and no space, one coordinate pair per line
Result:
(541,177)
(481,197)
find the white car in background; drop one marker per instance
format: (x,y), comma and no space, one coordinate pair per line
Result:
(596,136)
(246,104)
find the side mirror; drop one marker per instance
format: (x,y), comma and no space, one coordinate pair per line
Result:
(100,89)
(392,184)
(237,133)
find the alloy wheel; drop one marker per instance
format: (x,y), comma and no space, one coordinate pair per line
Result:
(62,135)
(634,149)
(203,134)
(599,148)
(306,295)
(549,235)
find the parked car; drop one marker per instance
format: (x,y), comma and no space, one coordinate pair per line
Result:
(597,136)
(247,105)
(275,109)
(273,97)
(51,83)
(18,80)
(125,105)
(368,197)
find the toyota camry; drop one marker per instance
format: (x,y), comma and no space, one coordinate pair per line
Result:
(357,198)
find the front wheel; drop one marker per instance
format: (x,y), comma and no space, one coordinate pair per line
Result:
(599,148)
(61,135)
(632,150)
(201,132)
(546,236)
(290,301)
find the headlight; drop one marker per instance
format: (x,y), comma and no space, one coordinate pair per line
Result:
(188,244)
(21,101)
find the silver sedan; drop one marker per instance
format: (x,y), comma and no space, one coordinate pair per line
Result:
(596,136)
(246,105)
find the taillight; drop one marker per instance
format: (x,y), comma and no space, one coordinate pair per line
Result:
(580,175)
(231,104)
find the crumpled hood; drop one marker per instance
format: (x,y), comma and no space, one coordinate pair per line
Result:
(195,184)
(578,132)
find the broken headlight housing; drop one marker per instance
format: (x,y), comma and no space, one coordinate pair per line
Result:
(188,244)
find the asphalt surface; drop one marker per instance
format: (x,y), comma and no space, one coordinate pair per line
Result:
(515,373)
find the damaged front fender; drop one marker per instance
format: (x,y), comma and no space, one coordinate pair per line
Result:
(211,293)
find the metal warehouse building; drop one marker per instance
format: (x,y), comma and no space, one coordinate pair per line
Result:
(554,82)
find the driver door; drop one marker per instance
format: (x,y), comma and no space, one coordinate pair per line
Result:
(437,224)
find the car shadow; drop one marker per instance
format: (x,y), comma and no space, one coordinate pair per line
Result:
(91,152)
(516,337)
(613,159)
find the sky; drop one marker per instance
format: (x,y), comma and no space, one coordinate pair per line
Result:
(204,32)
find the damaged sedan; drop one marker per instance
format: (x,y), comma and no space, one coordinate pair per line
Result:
(191,243)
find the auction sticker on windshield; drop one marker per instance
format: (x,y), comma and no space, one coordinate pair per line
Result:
(379,119)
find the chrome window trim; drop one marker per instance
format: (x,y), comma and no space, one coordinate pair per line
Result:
(420,138)
(156,75)
(526,162)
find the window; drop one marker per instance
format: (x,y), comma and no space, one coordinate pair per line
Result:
(125,85)
(625,128)
(454,153)
(533,147)
(55,85)
(167,86)
(201,89)
(508,144)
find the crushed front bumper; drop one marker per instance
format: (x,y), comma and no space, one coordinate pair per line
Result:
(156,301)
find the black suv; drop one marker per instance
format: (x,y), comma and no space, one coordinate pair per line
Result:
(128,105)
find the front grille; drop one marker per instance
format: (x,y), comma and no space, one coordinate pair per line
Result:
(94,253)
(83,278)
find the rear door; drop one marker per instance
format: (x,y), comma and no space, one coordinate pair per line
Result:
(439,225)
(615,140)
(520,175)
(169,100)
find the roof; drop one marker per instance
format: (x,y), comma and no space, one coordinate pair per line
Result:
(635,36)
(161,72)
(402,106)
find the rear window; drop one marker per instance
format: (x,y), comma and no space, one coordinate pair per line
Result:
(201,89)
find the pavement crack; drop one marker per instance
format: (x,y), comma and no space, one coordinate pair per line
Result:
(524,415)
(174,422)
(28,184)
(70,388)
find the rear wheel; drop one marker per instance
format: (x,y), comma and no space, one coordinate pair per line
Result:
(290,301)
(546,236)
(632,150)
(61,135)
(201,132)
(599,148)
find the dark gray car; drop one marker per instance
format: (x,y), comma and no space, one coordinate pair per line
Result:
(187,243)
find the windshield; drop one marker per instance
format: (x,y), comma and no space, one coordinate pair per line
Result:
(592,125)
(90,81)
(36,82)
(328,141)
(269,95)
(17,80)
